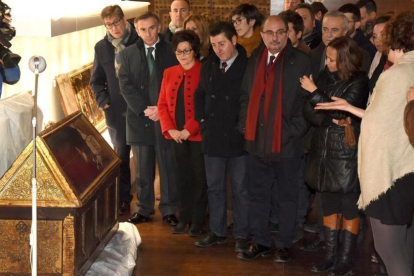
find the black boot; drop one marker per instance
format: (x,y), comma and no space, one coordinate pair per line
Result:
(331,244)
(345,265)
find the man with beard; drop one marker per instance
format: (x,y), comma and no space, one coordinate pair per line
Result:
(353,15)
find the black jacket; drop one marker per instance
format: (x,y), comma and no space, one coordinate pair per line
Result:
(296,65)
(331,166)
(217,106)
(134,80)
(105,86)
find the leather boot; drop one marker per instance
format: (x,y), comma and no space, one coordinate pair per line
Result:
(331,243)
(345,264)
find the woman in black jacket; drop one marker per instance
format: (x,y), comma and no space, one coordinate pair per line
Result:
(332,162)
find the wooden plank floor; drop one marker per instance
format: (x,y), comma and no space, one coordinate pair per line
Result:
(163,253)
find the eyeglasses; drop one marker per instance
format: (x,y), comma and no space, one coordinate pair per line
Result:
(183,52)
(277,33)
(237,21)
(116,23)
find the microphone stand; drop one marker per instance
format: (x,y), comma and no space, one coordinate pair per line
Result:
(33,235)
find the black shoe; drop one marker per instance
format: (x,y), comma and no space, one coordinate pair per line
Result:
(210,240)
(273,228)
(310,228)
(180,228)
(255,250)
(314,245)
(137,218)
(282,255)
(298,233)
(195,230)
(124,208)
(170,219)
(241,245)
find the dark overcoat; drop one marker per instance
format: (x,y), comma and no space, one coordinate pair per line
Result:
(217,106)
(105,86)
(135,81)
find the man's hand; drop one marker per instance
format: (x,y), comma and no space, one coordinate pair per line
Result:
(152,113)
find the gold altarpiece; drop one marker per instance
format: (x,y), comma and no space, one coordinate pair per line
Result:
(77,201)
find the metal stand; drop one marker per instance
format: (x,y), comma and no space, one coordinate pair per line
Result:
(33,235)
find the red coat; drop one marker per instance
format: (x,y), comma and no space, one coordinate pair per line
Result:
(171,82)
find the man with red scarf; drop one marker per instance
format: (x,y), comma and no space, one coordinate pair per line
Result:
(272,104)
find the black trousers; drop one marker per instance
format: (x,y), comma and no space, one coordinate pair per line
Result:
(262,175)
(124,177)
(191,181)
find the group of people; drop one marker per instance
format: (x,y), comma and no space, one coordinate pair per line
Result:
(272,106)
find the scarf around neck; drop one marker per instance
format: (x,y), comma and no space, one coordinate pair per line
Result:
(119,44)
(272,120)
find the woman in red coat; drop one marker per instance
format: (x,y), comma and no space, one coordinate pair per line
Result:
(176,111)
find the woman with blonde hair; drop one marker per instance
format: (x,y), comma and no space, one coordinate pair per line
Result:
(200,26)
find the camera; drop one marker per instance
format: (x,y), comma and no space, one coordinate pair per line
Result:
(7,32)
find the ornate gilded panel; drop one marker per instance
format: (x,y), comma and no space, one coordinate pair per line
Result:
(15,247)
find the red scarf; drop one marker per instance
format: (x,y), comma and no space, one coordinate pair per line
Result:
(262,85)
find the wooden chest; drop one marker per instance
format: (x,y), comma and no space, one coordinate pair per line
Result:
(77,201)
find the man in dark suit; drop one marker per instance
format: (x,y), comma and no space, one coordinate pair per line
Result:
(180,9)
(217,109)
(141,68)
(272,101)
(104,84)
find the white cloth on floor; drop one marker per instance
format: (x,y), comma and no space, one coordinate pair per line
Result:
(119,255)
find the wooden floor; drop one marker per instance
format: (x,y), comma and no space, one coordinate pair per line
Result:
(163,253)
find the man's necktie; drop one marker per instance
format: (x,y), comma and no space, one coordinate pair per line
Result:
(269,65)
(223,67)
(150,60)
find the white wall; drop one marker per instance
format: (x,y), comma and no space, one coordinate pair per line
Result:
(64,52)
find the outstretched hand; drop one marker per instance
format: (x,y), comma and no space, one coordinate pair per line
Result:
(337,104)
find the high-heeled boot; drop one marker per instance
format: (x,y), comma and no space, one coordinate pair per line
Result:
(345,263)
(331,244)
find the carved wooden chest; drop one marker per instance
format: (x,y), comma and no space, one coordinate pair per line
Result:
(77,201)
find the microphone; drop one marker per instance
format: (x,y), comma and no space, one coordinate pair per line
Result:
(37,64)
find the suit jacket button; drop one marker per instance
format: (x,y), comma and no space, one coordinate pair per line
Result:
(213,96)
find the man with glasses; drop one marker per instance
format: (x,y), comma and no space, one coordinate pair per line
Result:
(180,9)
(141,68)
(217,110)
(247,20)
(104,83)
(272,101)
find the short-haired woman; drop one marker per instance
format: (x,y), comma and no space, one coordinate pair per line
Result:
(331,167)
(176,111)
